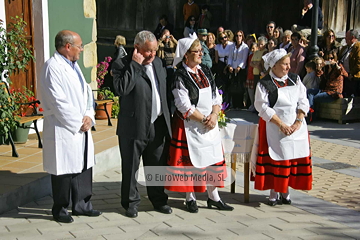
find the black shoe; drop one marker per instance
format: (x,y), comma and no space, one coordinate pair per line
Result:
(91,213)
(164,209)
(131,213)
(191,206)
(64,219)
(272,203)
(220,205)
(285,201)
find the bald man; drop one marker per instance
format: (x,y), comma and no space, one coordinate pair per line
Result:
(68,152)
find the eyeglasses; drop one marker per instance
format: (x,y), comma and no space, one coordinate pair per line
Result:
(331,36)
(331,58)
(270,26)
(79,47)
(238,35)
(223,38)
(198,51)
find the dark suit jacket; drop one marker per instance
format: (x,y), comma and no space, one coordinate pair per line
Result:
(133,86)
(306,20)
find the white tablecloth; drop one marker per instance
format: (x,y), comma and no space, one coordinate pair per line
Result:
(238,138)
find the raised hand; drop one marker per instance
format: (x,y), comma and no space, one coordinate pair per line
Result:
(137,57)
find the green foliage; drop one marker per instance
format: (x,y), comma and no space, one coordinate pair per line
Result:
(15,52)
(8,121)
(115,107)
(15,55)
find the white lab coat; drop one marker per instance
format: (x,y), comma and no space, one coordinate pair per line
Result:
(65,104)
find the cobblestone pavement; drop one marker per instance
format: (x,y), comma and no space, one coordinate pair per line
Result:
(254,220)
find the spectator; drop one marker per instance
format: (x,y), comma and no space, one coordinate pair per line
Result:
(191,9)
(218,31)
(222,54)
(190,26)
(350,58)
(328,44)
(205,58)
(271,45)
(310,79)
(304,42)
(163,24)
(256,61)
(278,34)
(331,84)
(250,39)
(205,18)
(270,27)
(236,67)
(230,35)
(119,43)
(250,77)
(210,43)
(286,41)
(166,48)
(304,23)
(298,55)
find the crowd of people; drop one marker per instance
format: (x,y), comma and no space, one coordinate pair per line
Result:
(170,103)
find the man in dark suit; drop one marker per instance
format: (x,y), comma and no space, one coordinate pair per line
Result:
(144,119)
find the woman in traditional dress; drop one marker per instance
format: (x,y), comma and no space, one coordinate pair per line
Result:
(196,143)
(283,158)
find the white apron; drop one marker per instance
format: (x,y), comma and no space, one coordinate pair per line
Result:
(281,146)
(204,145)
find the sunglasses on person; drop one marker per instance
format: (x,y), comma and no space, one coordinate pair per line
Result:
(238,35)
(270,26)
(331,58)
(223,38)
(192,19)
(331,36)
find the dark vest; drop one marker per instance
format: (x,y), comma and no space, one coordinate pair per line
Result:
(273,89)
(182,76)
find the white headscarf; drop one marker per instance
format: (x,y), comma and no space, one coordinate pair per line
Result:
(273,57)
(182,47)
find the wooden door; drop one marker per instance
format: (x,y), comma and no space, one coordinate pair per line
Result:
(22,8)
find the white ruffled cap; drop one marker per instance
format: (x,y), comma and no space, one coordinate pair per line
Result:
(272,57)
(182,47)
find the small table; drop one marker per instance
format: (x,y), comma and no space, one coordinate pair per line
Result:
(237,139)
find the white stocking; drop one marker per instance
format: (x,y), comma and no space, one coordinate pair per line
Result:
(273,195)
(286,195)
(190,196)
(213,193)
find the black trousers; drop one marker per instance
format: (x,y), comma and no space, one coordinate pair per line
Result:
(76,188)
(154,153)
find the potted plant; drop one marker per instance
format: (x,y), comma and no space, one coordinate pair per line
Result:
(103,93)
(26,105)
(15,54)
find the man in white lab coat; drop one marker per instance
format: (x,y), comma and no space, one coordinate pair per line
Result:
(68,150)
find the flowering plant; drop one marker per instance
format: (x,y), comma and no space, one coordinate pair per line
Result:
(25,102)
(102,70)
(222,118)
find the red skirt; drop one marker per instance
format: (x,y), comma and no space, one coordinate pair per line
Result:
(179,163)
(279,175)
